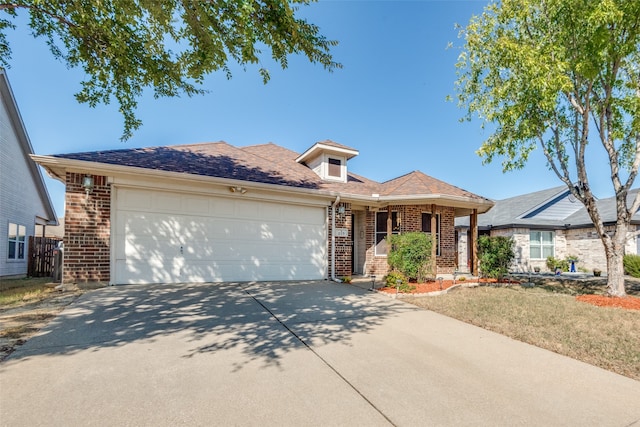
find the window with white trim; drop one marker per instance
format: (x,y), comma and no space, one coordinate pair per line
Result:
(334,167)
(382,248)
(541,244)
(17,238)
(426,228)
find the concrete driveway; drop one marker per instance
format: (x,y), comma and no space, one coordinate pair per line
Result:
(316,353)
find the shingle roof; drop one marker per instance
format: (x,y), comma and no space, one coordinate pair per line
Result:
(509,212)
(417,182)
(264,163)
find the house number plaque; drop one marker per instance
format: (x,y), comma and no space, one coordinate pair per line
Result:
(342,232)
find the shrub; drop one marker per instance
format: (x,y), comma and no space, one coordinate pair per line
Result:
(632,265)
(553,263)
(392,278)
(495,254)
(410,254)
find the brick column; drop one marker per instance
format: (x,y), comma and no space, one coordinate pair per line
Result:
(87,230)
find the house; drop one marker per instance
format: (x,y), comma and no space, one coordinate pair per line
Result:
(550,223)
(214,212)
(25,206)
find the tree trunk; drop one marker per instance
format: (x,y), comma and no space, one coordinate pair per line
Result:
(615,267)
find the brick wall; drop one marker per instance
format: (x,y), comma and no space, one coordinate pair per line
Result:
(87,227)
(411,220)
(344,247)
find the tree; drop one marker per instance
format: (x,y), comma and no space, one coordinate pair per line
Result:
(126,46)
(561,74)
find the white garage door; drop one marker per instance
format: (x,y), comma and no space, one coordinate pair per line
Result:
(165,237)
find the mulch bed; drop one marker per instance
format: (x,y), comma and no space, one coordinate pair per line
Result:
(423,288)
(628,302)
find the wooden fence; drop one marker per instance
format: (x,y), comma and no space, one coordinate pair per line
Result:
(41,256)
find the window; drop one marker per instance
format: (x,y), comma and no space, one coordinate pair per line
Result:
(541,244)
(426,228)
(335,168)
(381,230)
(17,236)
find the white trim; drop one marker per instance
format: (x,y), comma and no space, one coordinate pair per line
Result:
(56,168)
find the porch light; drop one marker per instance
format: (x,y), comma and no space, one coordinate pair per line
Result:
(87,183)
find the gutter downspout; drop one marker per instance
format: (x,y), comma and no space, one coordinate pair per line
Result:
(333,240)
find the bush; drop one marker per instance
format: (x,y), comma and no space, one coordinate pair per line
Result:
(553,263)
(632,265)
(495,254)
(410,254)
(391,280)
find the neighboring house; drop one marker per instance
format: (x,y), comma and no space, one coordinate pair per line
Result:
(550,223)
(54,231)
(25,206)
(213,212)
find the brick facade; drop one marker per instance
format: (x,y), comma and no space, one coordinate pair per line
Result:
(87,228)
(344,246)
(410,217)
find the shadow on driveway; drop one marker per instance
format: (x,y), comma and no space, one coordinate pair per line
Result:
(214,317)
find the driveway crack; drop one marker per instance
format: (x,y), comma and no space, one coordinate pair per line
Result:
(324,361)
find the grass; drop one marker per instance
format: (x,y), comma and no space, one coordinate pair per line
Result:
(16,291)
(601,336)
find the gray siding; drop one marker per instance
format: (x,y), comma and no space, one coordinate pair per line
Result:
(20,200)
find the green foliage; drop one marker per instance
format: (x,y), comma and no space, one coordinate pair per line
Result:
(346,279)
(559,74)
(127,46)
(410,254)
(495,254)
(554,263)
(632,265)
(391,280)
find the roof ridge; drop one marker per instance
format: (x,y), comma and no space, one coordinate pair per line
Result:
(193,144)
(398,177)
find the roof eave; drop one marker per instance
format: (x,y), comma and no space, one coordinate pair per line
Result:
(25,143)
(57,168)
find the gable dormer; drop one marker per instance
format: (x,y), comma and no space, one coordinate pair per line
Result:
(328,159)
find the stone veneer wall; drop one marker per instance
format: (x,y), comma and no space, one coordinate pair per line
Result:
(581,242)
(411,220)
(86,230)
(463,250)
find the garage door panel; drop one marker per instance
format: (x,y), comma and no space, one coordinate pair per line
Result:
(171,237)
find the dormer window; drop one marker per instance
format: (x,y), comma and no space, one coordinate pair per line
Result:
(335,168)
(328,159)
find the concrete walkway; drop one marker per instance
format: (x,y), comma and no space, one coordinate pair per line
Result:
(316,353)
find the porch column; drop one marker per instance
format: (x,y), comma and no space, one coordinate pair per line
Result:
(434,242)
(389,228)
(473,224)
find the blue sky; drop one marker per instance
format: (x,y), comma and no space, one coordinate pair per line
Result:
(389,102)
